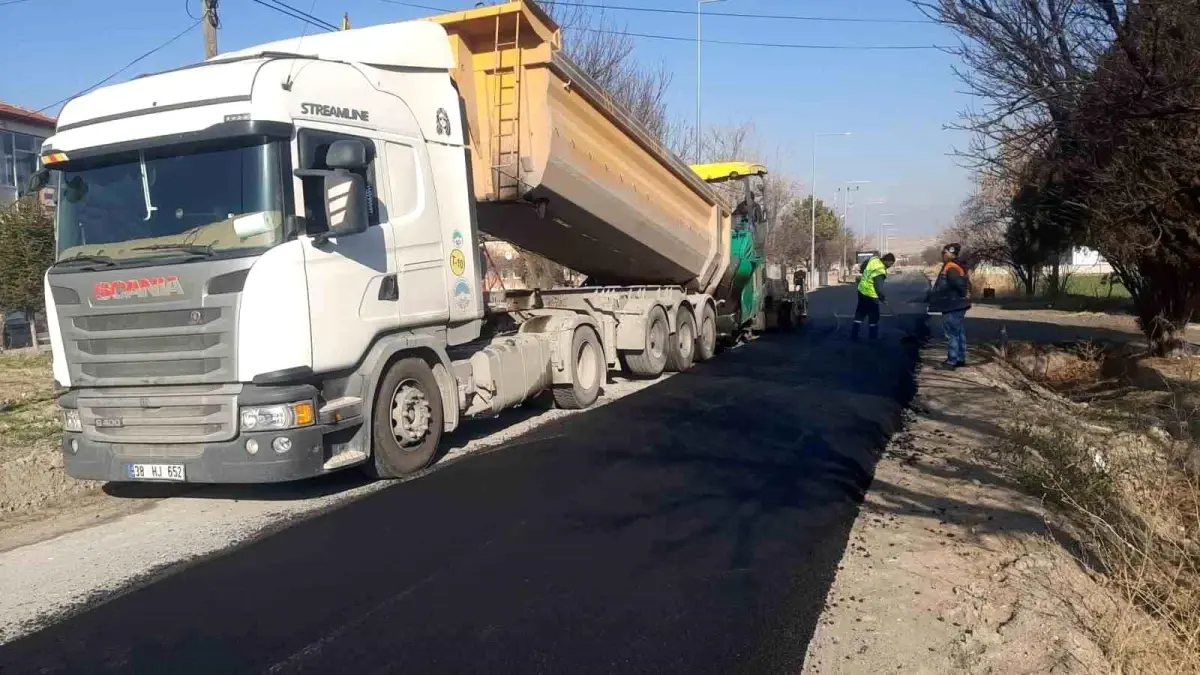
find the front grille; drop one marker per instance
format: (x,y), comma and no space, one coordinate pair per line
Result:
(137,369)
(152,347)
(148,320)
(149,345)
(160,414)
(174,340)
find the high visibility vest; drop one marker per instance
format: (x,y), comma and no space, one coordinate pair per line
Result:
(866,284)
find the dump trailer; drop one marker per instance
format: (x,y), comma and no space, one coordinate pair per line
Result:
(269,267)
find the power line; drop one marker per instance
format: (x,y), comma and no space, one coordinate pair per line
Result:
(298,14)
(308,15)
(734,43)
(735,15)
(776,45)
(122,69)
(11,2)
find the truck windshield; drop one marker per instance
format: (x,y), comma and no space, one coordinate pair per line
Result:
(207,201)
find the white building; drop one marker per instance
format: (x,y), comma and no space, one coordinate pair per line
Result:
(1086,261)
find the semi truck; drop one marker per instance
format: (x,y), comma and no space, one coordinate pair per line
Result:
(269,264)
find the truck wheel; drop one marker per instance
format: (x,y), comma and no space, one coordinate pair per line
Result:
(587,375)
(407,421)
(681,351)
(652,360)
(706,340)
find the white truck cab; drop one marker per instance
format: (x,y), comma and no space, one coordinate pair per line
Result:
(228,231)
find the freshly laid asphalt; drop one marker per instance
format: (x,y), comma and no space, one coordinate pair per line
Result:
(692,527)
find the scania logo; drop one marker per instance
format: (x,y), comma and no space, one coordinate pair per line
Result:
(150,287)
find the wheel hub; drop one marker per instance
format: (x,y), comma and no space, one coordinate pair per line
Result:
(686,339)
(411,414)
(657,339)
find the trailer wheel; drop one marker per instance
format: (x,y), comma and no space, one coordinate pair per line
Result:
(652,360)
(681,352)
(407,421)
(706,339)
(587,374)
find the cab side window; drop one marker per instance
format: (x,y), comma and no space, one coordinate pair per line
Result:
(314,145)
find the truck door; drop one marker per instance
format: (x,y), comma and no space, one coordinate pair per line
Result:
(351,299)
(415,223)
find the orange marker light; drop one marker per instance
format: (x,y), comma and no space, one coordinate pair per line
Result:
(304,414)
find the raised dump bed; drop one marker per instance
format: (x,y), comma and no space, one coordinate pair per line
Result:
(560,171)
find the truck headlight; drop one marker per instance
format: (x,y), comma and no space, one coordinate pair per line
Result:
(276,417)
(70,420)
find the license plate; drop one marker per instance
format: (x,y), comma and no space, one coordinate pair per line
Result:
(156,471)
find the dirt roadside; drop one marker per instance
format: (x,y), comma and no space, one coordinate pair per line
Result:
(951,566)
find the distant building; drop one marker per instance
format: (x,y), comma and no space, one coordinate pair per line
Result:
(1084,260)
(21,135)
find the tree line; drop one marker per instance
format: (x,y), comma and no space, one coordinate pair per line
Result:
(1088,134)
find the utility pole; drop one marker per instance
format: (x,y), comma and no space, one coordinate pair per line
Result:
(855,185)
(345,21)
(211,23)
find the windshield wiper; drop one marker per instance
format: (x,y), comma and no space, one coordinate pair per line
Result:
(190,249)
(150,208)
(85,258)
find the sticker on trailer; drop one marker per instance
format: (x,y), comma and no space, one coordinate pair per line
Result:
(458,262)
(457,239)
(462,294)
(443,122)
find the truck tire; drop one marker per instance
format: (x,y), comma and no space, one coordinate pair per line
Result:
(652,360)
(706,336)
(407,421)
(681,350)
(588,373)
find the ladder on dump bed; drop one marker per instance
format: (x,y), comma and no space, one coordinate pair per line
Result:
(506,109)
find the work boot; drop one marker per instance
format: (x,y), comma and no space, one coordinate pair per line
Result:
(873,331)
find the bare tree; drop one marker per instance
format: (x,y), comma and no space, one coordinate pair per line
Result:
(604,50)
(1027,62)
(1092,108)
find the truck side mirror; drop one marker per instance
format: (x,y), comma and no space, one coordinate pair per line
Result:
(345,204)
(348,154)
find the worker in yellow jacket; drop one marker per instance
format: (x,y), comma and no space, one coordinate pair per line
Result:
(870,294)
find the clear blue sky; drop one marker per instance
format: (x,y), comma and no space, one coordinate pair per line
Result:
(895,103)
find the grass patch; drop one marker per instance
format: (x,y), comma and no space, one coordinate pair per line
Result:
(1099,286)
(1129,492)
(27,410)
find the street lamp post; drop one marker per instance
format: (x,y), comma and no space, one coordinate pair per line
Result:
(887,234)
(882,224)
(855,185)
(699,7)
(812,244)
(867,209)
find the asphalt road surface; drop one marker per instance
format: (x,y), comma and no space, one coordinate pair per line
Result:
(691,527)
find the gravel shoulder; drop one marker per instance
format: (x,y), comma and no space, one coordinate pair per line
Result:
(87,545)
(950,566)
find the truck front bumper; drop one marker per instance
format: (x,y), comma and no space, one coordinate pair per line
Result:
(227,462)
